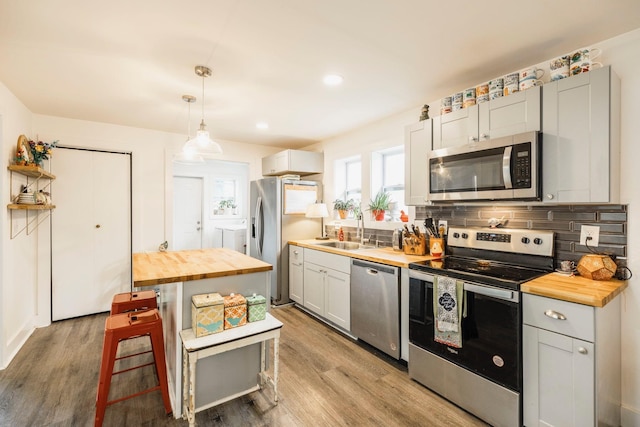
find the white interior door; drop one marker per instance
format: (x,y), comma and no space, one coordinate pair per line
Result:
(91,231)
(187,210)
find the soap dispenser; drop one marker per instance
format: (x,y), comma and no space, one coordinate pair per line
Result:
(341,235)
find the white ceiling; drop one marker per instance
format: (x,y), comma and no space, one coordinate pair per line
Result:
(129,62)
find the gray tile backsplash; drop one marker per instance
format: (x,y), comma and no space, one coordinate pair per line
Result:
(564,220)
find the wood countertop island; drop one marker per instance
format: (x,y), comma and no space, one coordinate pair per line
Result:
(177,276)
(156,268)
(595,293)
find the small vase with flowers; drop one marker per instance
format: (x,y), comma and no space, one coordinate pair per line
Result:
(41,151)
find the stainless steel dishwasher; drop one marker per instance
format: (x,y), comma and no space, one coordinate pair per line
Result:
(375,309)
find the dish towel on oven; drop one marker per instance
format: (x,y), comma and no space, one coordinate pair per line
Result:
(447,310)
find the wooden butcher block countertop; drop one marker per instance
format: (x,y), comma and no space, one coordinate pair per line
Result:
(155,268)
(381,255)
(595,293)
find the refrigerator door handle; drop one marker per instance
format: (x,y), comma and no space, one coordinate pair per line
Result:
(259,223)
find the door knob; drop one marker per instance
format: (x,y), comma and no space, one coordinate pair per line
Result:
(197,228)
(97,225)
(582,350)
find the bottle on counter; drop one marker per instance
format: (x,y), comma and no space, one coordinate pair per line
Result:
(341,235)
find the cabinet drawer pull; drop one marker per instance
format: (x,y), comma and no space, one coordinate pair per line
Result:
(555,315)
(582,350)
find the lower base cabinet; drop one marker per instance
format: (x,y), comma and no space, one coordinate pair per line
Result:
(571,363)
(327,286)
(296,274)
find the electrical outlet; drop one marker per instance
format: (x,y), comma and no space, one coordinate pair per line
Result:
(592,231)
(442,223)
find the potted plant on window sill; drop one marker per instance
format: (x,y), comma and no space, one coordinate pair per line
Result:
(227,207)
(379,204)
(343,207)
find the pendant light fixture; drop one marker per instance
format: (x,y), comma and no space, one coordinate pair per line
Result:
(202,143)
(188,155)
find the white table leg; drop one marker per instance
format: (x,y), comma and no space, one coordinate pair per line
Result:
(185,382)
(191,411)
(263,360)
(276,357)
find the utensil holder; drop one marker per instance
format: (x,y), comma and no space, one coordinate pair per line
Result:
(436,246)
(414,245)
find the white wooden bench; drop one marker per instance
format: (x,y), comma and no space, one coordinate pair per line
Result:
(198,348)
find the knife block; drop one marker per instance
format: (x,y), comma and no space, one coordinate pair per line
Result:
(414,245)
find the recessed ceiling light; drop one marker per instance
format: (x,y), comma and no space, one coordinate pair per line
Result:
(333,80)
(262,125)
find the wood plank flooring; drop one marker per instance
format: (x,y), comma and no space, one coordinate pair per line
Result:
(326,379)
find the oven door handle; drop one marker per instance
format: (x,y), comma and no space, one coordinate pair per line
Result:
(492,292)
(506,167)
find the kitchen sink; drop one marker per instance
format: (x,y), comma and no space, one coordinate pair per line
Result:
(347,246)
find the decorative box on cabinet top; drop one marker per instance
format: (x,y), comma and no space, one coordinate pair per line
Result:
(207,314)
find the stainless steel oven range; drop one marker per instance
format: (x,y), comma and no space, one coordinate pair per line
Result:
(466,342)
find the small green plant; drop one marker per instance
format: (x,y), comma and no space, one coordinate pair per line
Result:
(343,205)
(227,204)
(380,202)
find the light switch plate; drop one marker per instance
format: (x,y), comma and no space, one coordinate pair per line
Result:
(592,231)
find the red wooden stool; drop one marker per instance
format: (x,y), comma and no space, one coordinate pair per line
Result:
(130,301)
(120,327)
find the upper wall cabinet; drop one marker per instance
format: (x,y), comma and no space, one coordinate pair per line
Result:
(581,138)
(509,115)
(296,162)
(417,144)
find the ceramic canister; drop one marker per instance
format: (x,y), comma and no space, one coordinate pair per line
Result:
(445,105)
(456,101)
(559,67)
(482,93)
(469,97)
(511,83)
(496,88)
(581,61)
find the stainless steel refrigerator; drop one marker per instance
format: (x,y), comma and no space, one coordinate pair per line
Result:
(278,209)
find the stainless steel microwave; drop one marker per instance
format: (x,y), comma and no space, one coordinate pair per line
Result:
(506,168)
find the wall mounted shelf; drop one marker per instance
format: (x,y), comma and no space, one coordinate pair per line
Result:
(30,223)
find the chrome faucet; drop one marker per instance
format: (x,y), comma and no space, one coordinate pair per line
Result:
(359,230)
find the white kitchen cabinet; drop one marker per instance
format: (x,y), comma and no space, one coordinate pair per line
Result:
(338,298)
(296,274)
(581,138)
(297,162)
(571,363)
(417,144)
(327,284)
(505,116)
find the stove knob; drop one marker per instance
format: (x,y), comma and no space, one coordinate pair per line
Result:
(537,241)
(465,236)
(456,235)
(525,240)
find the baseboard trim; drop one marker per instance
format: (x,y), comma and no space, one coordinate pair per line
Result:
(630,417)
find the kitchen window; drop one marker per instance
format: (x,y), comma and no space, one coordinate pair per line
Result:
(387,167)
(348,179)
(225,196)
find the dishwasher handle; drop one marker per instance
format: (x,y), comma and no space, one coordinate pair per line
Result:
(378,268)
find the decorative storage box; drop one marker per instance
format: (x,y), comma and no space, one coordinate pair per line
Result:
(257,307)
(235,311)
(207,314)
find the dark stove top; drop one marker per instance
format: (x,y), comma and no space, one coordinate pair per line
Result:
(497,257)
(493,273)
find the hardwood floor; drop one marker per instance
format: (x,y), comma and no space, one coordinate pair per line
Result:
(326,379)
